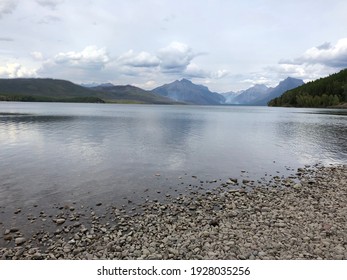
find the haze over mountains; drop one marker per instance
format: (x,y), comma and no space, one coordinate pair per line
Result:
(187,92)
(179,91)
(261,94)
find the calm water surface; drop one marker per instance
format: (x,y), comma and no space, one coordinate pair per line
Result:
(69,152)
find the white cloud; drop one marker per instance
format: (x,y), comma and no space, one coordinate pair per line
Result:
(175,57)
(7,7)
(258,80)
(147,85)
(306,72)
(90,57)
(142,59)
(37,55)
(219,74)
(325,54)
(194,71)
(16,70)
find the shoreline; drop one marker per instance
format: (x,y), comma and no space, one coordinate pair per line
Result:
(298,217)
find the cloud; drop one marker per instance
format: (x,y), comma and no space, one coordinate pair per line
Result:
(307,72)
(147,84)
(7,7)
(324,46)
(326,54)
(175,57)
(90,57)
(220,74)
(49,19)
(6,39)
(37,55)
(16,70)
(142,59)
(52,4)
(194,71)
(258,80)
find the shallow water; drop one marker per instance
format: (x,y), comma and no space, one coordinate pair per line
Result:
(57,152)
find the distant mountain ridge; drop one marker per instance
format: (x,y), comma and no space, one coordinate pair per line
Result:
(55,90)
(261,94)
(131,93)
(287,84)
(188,92)
(180,91)
(251,95)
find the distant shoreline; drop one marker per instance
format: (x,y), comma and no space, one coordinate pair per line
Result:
(28,99)
(299,217)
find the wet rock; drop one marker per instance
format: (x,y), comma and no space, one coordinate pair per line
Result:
(20,240)
(60,221)
(298,221)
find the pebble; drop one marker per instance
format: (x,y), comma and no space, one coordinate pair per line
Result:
(20,240)
(302,218)
(60,221)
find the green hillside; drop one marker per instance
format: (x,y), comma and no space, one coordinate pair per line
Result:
(129,94)
(324,92)
(53,90)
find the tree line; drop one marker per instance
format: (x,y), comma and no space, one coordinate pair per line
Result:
(324,92)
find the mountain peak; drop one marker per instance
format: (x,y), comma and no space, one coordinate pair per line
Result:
(185,81)
(291,80)
(186,91)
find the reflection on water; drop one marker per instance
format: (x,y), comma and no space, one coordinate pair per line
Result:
(315,142)
(62,152)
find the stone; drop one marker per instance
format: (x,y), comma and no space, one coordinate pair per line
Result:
(60,221)
(214,223)
(281,224)
(146,252)
(20,240)
(173,251)
(8,237)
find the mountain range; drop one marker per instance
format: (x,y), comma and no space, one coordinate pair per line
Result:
(180,91)
(261,94)
(53,90)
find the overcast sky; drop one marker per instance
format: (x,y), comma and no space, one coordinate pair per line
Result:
(223,44)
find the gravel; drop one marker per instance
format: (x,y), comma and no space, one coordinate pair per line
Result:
(301,217)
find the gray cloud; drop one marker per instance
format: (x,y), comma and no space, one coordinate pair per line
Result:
(325,54)
(324,46)
(52,4)
(49,19)
(7,7)
(6,39)
(175,59)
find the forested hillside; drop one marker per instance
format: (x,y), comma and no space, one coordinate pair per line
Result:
(324,92)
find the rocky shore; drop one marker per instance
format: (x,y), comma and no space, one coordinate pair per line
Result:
(303,216)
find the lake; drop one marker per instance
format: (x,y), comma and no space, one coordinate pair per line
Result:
(58,152)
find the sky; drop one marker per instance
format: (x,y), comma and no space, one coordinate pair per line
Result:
(226,45)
